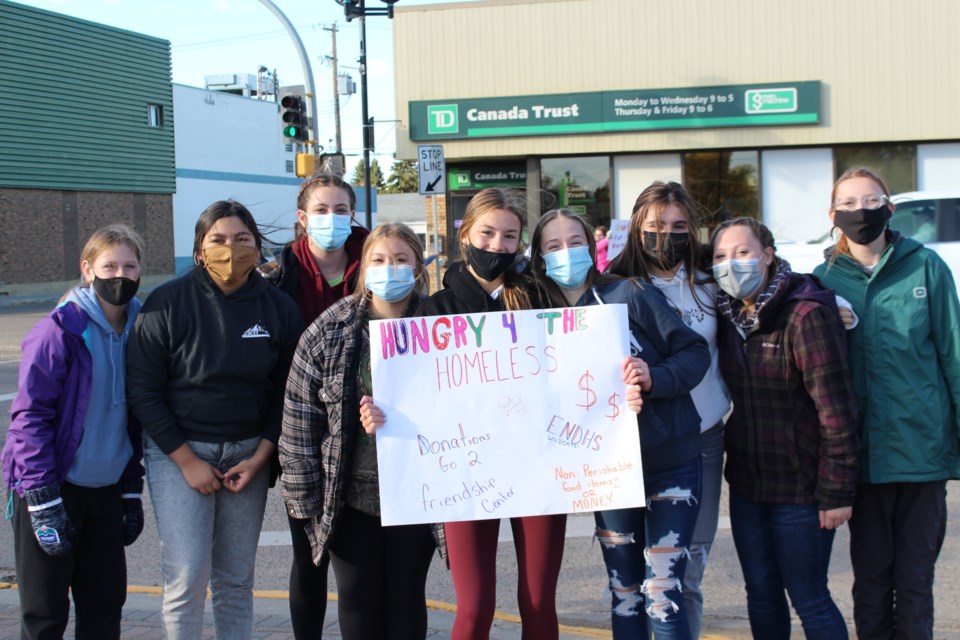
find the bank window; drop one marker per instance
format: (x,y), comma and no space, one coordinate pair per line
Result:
(897,163)
(579,184)
(723,184)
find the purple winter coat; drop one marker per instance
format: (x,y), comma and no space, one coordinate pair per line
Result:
(56,374)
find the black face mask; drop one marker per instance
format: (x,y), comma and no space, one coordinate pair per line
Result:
(675,248)
(862,226)
(488,264)
(117,291)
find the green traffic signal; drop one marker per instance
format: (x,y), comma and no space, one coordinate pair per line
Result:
(294,118)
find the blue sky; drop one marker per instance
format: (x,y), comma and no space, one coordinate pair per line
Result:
(209,37)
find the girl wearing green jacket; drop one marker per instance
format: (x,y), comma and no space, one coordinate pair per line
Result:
(905,360)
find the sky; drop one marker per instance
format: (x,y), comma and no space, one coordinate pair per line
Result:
(212,37)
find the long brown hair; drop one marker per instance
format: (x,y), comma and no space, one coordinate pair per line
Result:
(538,266)
(515,294)
(633,262)
(843,245)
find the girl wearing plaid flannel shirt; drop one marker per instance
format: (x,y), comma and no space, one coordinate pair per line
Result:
(791,439)
(329,455)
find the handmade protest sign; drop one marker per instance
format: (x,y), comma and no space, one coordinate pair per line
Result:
(504,414)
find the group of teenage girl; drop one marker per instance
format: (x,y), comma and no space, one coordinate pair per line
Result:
(239,371)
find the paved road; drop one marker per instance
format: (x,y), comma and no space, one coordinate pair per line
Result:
(582,601)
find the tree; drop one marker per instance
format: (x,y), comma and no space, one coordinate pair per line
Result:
(403,178)
(376,175)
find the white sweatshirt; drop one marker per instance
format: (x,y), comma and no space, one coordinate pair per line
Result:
(710,396)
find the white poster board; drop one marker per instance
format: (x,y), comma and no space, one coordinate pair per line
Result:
(617,237)
(497,415)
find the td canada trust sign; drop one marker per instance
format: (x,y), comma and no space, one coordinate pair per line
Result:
(768,104)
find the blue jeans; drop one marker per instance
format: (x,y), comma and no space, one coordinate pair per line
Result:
(206,539)
(711,455)
(782,547)
(646,551)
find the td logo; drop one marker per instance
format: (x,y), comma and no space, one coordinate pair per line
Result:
(442,118)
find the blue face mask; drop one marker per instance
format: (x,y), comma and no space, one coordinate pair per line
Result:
(569,267)
(328,230)
(390,282)
(741,279)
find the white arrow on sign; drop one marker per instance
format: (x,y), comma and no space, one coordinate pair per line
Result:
(431,169)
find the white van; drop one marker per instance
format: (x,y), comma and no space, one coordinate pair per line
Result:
(930,217)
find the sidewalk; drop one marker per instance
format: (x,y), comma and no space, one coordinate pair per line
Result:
(141,618)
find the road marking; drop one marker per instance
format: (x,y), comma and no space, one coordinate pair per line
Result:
(274,539)
(578,526)
(7,397)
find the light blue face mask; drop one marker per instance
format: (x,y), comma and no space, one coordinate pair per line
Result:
(328,230)
(569,267)
(741,279)
(390,282)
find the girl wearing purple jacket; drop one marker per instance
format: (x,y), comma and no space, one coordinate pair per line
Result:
(72,458)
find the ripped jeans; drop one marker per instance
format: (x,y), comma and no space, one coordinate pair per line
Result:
(646,552)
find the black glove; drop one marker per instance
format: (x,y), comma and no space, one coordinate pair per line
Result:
(51,525)
(132,511)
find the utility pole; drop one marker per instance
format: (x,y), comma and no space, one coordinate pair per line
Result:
(336,84)
(365,115)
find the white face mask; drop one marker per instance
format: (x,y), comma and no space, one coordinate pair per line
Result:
(741,279)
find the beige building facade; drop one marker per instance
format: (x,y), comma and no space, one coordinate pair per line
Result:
(756,106)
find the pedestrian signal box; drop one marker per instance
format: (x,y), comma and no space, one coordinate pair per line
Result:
(294,118)
(306,165)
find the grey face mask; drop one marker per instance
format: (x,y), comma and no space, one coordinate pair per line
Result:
(741,279)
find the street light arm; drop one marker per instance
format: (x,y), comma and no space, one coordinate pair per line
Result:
(307,72)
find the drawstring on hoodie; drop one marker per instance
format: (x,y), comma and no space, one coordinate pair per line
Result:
(8,512)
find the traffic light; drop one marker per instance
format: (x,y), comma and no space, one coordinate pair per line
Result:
(294,118)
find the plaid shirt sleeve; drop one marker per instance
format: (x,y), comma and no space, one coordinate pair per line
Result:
(820,350)
(304,422)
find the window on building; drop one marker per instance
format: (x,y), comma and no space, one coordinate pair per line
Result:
(723,184)
(155,115)
(290,167)
(579,184)
(897,163)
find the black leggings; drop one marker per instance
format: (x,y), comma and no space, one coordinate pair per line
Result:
(381,577)
(308,586)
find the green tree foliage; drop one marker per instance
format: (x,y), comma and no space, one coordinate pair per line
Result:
(376,175)
(403,178)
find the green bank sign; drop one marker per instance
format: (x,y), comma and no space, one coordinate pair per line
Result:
(760,105)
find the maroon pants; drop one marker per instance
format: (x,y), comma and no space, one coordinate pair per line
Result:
(472,548)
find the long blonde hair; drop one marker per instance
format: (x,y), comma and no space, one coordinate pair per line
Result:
(392,230)
(515,294)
